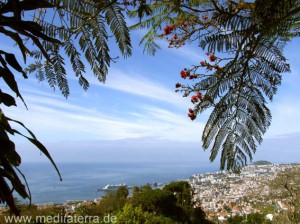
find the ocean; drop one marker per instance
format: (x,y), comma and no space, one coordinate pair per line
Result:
(81,180)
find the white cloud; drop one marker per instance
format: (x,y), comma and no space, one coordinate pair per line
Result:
(143,87)
(57,119)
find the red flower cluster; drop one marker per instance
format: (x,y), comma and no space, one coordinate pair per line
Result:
(212,57)
(204,17)
(184,74)
(175,41)
(193,76)
(168,29)
(196,98)
(209,66)
(191,114)
(178,85)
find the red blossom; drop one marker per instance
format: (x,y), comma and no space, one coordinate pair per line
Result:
(194,99)
(199,95)
(192,116)
(193,76)
(212,58)
(204,17)
(178,85)
(183,74)
(168,29)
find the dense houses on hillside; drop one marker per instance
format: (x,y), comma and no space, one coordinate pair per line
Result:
(222,194)
(225,194)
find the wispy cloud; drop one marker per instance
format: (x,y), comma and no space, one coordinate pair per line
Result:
(143,87)
(57,119)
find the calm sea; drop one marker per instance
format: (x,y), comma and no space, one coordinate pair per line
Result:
(81,181)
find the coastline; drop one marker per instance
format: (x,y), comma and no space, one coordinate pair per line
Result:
(81,181)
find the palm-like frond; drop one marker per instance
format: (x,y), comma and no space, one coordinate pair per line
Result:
(86,24)
(250,37)
(59,27)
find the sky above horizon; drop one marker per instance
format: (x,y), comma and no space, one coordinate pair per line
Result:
(136,116)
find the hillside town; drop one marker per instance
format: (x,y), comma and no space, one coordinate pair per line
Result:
(226,194)
(222,195)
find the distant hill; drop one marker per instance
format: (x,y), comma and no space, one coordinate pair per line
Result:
(261,162)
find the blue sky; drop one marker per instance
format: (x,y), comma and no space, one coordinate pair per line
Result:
(137,117)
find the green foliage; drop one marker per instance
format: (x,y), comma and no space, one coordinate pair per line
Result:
(157,201)
(261,162)
(196,215)
(132,215)
(245,41)
(83,29)
(182,191)
(173,201)
(10,160)
(74,28)
(122,192)
(286,188)
(135,191)
(146,206)
(111,203)
(146,187)
(83,210)
(33,211)
(235,219)
(255,218)
(136,215)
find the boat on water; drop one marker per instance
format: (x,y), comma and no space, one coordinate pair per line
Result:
(110,187)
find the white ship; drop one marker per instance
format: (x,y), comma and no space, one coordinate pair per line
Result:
(110,187)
